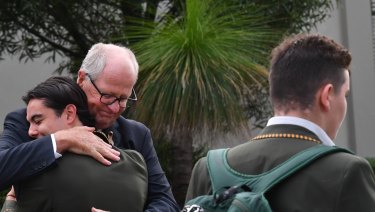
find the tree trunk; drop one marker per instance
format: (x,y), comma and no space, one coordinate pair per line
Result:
(182,164)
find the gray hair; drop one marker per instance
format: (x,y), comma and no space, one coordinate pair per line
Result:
(95,59)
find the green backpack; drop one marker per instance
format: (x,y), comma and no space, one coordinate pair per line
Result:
(235,193)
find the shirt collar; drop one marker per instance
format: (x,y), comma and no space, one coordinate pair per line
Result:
(322,135)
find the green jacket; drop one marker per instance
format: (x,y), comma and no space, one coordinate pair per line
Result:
(77,183)
(337,182)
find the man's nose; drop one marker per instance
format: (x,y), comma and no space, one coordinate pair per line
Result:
(33,132)
(114,107)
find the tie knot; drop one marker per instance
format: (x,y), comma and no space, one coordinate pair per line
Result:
(105,137)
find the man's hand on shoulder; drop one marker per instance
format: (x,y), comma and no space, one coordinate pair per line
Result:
(81,140)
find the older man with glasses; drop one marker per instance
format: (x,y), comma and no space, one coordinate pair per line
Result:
(109,99)
(107,75)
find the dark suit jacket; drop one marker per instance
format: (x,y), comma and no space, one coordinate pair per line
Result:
(337,182)
(77,183)
(21,158)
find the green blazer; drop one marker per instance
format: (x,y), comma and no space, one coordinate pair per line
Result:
(77,183)
(337,182)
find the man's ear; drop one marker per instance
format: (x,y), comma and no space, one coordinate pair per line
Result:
(325,96)
(81,77)
(70,113)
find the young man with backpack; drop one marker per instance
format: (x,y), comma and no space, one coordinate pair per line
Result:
(309,84)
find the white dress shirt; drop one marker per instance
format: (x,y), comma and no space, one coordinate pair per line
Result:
(322,135)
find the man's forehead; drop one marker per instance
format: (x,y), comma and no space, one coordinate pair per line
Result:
(35,107)
(115,86)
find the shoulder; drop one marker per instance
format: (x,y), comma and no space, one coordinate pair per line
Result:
(341,167)
(201,164)
(346,169)
(345,157)
(132,154)
(131,124)
(132,134)
(19,114)
(349,161)
(200,183)
(15,121)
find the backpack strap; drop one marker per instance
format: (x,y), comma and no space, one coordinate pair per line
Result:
(302,159)
(219,173)
(223,176)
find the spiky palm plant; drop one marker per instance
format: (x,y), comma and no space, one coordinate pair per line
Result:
(195,72)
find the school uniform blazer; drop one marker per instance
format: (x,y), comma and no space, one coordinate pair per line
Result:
(337,182)
(78,182)
(21,157)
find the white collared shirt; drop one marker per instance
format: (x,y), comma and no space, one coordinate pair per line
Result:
(57,155)
(322,135)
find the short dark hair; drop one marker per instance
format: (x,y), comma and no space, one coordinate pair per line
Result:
(301,64)
(59,91)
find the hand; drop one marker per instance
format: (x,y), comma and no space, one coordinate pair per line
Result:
(81,140)
(11,195)
(97,210)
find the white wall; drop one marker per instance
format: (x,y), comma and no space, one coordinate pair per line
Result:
(351,26)
(359,40)
(16,78)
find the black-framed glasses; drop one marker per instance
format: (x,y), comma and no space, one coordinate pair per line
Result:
(109,99)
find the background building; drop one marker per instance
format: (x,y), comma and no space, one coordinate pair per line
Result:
(350,24)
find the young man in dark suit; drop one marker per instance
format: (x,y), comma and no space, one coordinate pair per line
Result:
(107,76)
(76,182)
(309,84)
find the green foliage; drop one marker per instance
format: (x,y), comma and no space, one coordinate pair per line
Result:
(295,15)
(372,163)
(164,151)
(199,152)
(196,70)
(67,28)
(257,105)
(195,73)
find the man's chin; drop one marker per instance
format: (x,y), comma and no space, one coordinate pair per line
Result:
(104,123)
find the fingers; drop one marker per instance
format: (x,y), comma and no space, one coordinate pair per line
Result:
(81,140)
(99,150)
(104,154)
(71,138)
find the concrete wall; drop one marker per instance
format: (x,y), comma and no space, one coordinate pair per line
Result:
(359,41)
(16,78)
(351,25)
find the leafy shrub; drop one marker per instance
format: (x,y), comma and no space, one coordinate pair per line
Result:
(372,163)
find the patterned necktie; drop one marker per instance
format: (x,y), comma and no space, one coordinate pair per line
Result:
(108,138)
